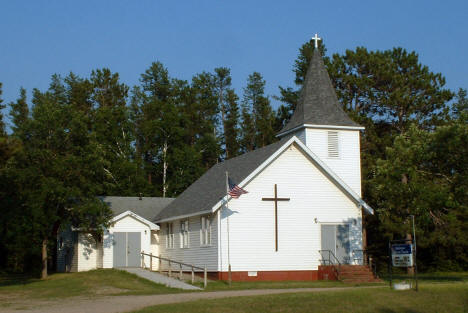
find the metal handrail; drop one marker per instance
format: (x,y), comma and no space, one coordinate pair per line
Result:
(337,269)
(205,274)
(364,255)
(367,260)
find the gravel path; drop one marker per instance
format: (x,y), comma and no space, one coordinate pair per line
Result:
(120,304)
(161,279)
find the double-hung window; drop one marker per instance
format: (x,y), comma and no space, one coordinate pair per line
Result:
(170,235)
(205,231)
(184,234)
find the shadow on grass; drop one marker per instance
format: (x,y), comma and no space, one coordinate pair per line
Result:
(16,279)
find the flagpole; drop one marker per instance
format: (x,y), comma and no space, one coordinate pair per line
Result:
(227,221)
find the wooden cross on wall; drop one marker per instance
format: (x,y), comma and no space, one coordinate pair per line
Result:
(276,199)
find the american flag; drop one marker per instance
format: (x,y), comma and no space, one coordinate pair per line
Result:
(234,190)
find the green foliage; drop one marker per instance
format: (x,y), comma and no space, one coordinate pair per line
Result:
(2,123)
(425,175)
(231,130)
(19,113)
(257,115)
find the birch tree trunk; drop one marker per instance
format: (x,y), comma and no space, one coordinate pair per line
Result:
(164,168)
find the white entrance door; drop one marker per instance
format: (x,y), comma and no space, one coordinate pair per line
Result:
(335,238)
(127,249)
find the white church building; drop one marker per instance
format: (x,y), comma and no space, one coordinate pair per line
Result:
(303,205)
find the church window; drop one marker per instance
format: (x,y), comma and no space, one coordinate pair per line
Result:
(333,148)
(170,235)
(205,231)
(184,234)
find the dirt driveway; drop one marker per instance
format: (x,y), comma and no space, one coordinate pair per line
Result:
(118,304)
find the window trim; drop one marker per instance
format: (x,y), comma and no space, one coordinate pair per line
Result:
(170,236)
(184,234)
(206,232)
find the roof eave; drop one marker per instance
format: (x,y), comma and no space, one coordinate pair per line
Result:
(179,217)
(282,133)
(151,225)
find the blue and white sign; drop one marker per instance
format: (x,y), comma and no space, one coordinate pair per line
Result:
(402,255)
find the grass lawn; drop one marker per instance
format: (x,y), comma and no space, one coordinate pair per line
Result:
(222,285)
(88,284)
(432,297)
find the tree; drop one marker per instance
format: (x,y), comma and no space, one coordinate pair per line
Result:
(60,170)
(19,113)
(114,131)
(222,82)
(460,108)
(434,190)
(232,125)
(258,129)
(156,111)
(2,123)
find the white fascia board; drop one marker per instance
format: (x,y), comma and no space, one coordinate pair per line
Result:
(321,127)
(335,178)
(180,217)
(152,225)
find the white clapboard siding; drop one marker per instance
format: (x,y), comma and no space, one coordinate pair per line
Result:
(195,254)
(346,161)
(87,252)
(155,242)
(313,196)
(126,224)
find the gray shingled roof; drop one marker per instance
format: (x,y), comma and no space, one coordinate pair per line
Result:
(147,207)
(204,193)
(318,103)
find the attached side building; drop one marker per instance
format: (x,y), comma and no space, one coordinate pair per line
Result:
(131,232)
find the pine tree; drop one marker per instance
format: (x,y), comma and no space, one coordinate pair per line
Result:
(258,106)
(232,125)
(2,123)
(60,170)
(222,82)
(19,113)
(114,131)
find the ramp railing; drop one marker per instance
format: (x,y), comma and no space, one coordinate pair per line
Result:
(191,267)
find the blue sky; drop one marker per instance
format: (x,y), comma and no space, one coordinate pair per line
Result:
(40,38)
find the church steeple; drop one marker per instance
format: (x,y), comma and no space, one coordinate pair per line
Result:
(318,104)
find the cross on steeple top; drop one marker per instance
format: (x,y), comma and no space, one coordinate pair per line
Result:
(316,40)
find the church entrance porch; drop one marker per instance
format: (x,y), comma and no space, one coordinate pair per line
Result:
(127,249)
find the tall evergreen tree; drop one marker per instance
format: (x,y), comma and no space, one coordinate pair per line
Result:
(222,83)
(114,131)
(258,105)
(2,122)
(231,130)
(19,113)
(60,170)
